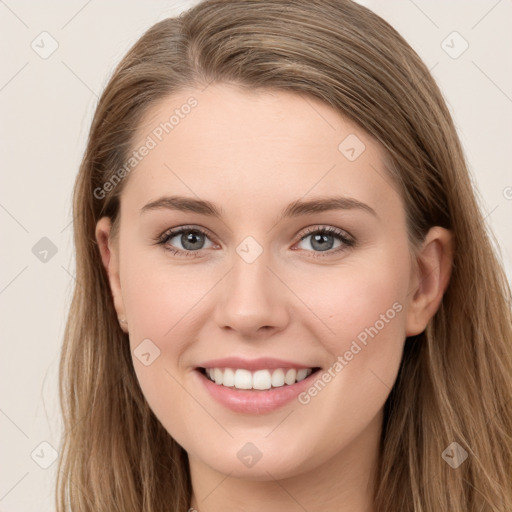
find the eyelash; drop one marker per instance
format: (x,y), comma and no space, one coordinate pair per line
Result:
(337,233)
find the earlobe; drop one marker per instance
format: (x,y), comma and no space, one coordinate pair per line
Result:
(432,275)
(110,259)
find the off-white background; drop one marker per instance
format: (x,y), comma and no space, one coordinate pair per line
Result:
(46,108)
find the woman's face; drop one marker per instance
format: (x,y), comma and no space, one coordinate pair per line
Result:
(263,284)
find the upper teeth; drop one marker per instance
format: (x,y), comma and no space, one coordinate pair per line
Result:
(260,379)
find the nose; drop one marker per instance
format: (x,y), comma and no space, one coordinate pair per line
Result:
(253,301)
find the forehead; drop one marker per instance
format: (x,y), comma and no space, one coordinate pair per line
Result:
(258,145)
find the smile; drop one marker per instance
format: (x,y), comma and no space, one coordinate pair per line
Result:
(254,392)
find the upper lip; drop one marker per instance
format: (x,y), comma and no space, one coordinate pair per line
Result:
(261,363)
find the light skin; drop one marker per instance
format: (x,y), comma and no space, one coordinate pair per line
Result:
(252,154)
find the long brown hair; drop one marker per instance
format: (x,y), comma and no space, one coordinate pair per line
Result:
(455,379)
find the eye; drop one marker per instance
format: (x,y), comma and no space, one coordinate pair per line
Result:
(323,239)
(190,239)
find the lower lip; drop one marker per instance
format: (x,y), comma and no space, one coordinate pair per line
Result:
(256,401)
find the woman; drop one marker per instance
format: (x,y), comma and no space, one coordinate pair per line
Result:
(288,299)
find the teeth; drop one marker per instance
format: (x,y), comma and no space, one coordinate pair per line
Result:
(243,379)
(290,376)
(260,379)
(277,379)
(229,378)
(302,374)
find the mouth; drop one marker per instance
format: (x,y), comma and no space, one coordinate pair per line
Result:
(259,380)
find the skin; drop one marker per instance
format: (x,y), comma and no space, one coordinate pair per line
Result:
(252,154)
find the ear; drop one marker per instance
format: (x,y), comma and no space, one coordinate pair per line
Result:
(109,250)
(430,279)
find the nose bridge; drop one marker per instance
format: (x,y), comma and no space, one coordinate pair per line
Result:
(252,295)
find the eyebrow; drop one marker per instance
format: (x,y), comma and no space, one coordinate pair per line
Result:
(295,209)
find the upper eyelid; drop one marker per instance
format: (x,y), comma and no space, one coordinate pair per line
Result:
(329,229)
(177,230)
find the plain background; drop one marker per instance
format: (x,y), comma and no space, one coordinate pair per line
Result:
(46,109)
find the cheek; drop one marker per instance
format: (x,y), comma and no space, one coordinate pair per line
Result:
(157,293)
(162,302)
(357,301)
(362,313)
(364,309)
(159,302)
